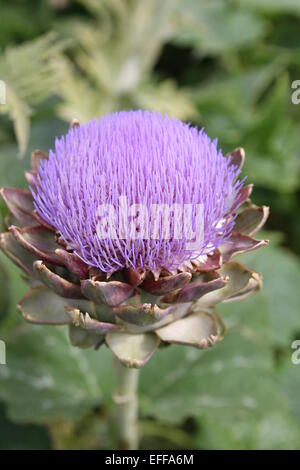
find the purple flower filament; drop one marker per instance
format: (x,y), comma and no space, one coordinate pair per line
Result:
(149,159)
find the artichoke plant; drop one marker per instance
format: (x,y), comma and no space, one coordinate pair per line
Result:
(132,293)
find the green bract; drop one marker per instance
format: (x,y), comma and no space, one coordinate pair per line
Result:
(133,312)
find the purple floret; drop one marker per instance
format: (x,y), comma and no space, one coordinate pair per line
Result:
(150,159)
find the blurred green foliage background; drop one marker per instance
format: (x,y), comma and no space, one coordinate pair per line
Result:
(227,66)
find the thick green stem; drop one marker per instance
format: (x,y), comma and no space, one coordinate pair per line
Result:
(126,399)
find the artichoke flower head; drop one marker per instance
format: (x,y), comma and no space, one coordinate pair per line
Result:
(127,234)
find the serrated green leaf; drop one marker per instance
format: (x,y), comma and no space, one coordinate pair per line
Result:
(24,437)
(234,377)
(271,138)
(273,6)
(274,312)
(29,73)
(273,431)
(57,380)
(216,27)
(289,378)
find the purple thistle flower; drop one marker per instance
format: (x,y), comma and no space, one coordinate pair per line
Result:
(150,159)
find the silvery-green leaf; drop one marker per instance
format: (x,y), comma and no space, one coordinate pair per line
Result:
(237,276)
(167,284)
(198,329)
(251,219)
(55,282)
(21,257)
(239,243)
(211,262)
(82,338)
(237,157)
(254,284)
(233,378)
(42,306)
(148,317)
(20,204)
(72,262)
(196,289)
(111,293)
(47,380)
(39,241)
(133,350)
(242,197)
(85,321)
(280,293)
